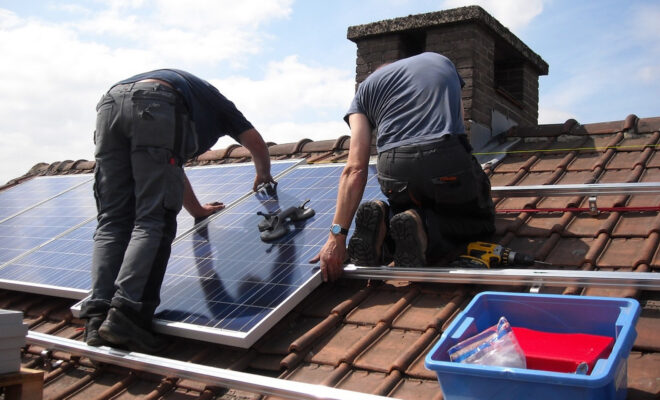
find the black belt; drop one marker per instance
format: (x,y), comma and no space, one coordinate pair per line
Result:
(442,141)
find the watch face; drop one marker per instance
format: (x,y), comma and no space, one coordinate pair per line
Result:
(335,229)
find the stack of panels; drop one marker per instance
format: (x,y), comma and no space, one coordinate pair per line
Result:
(225,285)
(61,266)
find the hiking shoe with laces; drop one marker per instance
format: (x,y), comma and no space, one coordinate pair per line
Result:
(366,245)
(91,335)
(410,240)
(122,332)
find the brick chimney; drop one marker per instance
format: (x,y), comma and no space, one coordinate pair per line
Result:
(501,73)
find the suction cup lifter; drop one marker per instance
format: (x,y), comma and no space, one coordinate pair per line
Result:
(269,188)
(275,225)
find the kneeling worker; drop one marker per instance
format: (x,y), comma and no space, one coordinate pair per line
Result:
(438,194)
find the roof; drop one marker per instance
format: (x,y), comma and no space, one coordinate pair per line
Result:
(372,336)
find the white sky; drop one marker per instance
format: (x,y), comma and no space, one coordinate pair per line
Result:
(287,64)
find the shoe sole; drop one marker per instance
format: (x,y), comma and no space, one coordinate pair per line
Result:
(408,251)
(107,332)
(96,341)
(361,246)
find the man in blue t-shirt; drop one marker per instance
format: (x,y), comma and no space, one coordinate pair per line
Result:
(147,126)
(438,194)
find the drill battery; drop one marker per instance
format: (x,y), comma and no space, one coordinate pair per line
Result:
(491,255)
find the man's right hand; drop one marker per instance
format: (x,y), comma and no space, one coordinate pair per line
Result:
(332,257)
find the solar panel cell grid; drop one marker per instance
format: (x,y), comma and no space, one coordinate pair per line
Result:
(65,262)
(34,191)
(223,277)
(224,183)
(45,221)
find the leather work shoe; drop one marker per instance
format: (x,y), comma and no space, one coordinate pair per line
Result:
(366,245)
(91,335)
(121,332)
(410,240)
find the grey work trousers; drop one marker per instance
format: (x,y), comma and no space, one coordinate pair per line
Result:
(446,185)
(139,191)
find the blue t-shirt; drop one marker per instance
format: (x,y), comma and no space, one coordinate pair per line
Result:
(415,100)
(212,113)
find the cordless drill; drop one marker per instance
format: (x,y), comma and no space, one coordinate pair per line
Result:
(483,254)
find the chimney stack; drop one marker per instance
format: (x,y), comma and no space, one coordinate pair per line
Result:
(501,73)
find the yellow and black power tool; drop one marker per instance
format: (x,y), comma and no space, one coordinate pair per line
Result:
(492,255)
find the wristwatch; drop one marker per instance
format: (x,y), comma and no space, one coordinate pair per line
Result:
(337,229)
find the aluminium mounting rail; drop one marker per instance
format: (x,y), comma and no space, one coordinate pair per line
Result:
(592,189)
(201,373)
(534,277)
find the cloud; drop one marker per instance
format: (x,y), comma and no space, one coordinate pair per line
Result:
(53,73)
(514,14)
(293,101)
(191,33)
(553,116)
(291,90)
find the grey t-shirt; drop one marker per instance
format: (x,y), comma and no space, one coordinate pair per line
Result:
(411,101)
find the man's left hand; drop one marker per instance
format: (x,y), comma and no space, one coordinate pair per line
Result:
(209,209)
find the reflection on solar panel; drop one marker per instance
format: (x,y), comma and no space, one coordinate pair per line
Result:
(44,222)
(225,285)
(62,266)
(224,183)
(35,191)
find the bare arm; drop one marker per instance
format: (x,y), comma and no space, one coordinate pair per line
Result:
(351,188)
(252,140)
(192,205)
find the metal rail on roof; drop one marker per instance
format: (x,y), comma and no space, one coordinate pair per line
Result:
(201,373)
(592,189)
(533,277)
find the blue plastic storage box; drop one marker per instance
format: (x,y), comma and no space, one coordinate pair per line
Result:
(606,316)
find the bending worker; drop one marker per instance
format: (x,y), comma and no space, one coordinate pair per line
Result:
(438,194)
(147,126)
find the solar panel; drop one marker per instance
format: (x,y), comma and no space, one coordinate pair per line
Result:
(61,267)
(44,222)
(30,193)
(224,285)
(224,183)
(58,268)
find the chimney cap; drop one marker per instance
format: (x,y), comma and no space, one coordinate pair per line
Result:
(470,14)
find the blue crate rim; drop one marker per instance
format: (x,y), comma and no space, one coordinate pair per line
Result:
(530,375)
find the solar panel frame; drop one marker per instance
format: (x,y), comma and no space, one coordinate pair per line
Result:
(18,273)
(313,236)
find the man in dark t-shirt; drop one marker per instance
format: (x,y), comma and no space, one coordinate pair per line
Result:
(147,126)
(438,194)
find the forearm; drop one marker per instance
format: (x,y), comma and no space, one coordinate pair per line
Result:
(351,189)
(190,201)
(252,140)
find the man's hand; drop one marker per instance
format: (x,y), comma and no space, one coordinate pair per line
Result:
(208,209)
(262,179)
(332,257)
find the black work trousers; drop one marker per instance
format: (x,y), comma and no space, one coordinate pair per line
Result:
(139,191)
(446,185)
